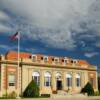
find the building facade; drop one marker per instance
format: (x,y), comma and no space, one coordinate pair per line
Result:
(49,72)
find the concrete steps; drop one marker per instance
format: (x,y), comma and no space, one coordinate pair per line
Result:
(63,94)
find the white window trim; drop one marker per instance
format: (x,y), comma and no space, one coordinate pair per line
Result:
(75,61)
(10,78)
(35,57)
(70,77)
(56,58)
(44,58)
(47,75)
(65,59)
(78,76)
(36,74)
(58,76)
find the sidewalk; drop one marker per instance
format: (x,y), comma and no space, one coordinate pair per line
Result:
(72,97)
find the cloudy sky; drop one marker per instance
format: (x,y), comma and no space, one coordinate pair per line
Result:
(54,27)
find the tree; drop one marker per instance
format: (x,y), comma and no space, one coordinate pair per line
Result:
(32,90)
(99,83)
(88,89)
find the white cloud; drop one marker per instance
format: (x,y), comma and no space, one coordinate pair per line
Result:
(4,16)
(91,54)
(53,19)
(4,28)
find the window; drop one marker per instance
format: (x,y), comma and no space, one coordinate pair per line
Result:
(36,77)
(56,60)
(74,61)
(65,61)
(68,80)
(45,59)
(78,80)
(58,76)
(92,81)
(47,79)
(34,58)
(11,80)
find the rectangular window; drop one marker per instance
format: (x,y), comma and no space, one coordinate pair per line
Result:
(33,58)
(69,82)
(92,81)
(47,81)
(65,61)
(78,82)
(56,60)
(45,59)
(11,80)
(37,80)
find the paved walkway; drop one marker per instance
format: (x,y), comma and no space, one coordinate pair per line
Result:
(73,97)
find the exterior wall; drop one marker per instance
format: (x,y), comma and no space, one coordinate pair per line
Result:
(27,67)
(27,77)
(93,75)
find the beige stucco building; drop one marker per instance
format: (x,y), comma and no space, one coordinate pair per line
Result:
(49,72)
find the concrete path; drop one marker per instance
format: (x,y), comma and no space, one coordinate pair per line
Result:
(66,98)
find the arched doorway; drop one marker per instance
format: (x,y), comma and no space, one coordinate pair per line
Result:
(58,81)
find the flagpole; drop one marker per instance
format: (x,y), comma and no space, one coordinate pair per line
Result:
(18,62)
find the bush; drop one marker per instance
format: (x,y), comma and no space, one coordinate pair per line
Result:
(88,89)
(32,90)
(97,94)
(99,83)
(11,95)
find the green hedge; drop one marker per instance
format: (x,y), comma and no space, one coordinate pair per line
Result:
(88,89)
(32,90)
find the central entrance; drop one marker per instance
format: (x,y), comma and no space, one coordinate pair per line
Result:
(58,81)
(59,85)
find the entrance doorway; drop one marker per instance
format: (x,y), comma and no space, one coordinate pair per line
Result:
(59,85)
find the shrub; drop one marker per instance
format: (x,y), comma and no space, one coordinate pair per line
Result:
(88,89)
(96,93)
(10,95)
(99,83)
(32,90)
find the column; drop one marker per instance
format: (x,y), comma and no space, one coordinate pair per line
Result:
(73,81)
(64,80)
(54,81)
(41,80)
(96,82)
(82,79)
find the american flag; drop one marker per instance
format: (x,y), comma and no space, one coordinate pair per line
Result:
(15,36)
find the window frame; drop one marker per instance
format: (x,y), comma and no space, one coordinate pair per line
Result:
(78,80)
(69,80)
(47,79)
(35,58)
(75,61)
(56,58)
(46,58)
(65,59)
(11,83)
(37,80)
